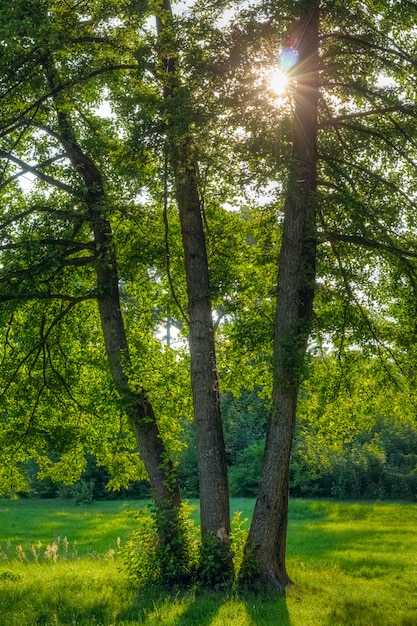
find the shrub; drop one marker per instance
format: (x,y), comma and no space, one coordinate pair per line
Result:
(215,570)
(147,562)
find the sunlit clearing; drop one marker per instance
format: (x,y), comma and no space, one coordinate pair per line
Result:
(279,81)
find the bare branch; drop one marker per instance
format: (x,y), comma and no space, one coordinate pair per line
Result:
(401,108)
(359,240)
(24,171)
(33,169)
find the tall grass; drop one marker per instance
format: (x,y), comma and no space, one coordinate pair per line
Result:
(352,563)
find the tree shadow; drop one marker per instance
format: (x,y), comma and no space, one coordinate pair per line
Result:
(201,607)
(146,601)
(192,607)
(266,607)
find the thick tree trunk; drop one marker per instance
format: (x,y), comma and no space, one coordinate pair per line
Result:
(212,468)
(162,476)
(266,546)
(214,492)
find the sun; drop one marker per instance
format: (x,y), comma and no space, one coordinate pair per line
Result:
(279,81)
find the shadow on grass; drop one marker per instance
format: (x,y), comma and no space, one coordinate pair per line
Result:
(266,608)
(204,608)
(182,608)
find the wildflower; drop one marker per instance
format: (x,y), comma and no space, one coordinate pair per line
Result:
(34,552)
(21,555)
(51,552)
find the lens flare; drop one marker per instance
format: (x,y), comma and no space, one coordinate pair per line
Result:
(288,59)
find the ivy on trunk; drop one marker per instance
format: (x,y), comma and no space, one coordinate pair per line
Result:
(266,545)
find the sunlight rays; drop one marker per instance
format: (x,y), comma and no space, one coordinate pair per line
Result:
(279,81)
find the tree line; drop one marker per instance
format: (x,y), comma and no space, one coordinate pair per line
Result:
(375,458)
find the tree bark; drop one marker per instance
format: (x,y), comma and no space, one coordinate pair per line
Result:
(266,546)
(214,492)
(161,472)
(212,468)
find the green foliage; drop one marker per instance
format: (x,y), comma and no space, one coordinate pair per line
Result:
(83,492)
(214,570)
(8,574)
(139,554)
(187,463)
(245,472)
(149,561)
(379,463)
(239,536)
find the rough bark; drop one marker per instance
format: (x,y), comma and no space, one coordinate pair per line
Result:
(266,546)
(214,492)
(212,468)
(162,476)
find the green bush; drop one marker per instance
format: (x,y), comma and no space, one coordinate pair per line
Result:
(215,571)
(147,562)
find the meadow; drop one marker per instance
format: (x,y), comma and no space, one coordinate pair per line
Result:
(352,563)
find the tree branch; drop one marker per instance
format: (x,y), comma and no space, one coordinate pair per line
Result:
(403,108)
(33,169)
(76,245)
(369,44)
(359,240)
(34,107)
(24,171)
(41,209)
(354,300)
(374,175)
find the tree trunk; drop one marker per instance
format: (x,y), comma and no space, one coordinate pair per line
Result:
(212,468)
(162,476)
(266,546)
(164,484)
(214,492)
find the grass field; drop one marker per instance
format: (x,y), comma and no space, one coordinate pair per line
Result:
(353,564)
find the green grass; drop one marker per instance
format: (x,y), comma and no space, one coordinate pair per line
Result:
(95,528)
(353,564)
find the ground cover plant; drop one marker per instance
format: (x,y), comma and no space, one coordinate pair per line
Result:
(353,563)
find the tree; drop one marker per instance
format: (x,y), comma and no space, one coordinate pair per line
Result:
(182,156)
(295,291)
(190,112)
(88,214)
(307,215)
